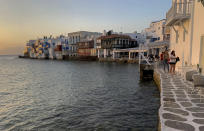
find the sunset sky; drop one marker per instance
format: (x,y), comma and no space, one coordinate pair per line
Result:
(21,20)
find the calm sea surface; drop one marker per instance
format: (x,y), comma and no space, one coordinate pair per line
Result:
(75,96)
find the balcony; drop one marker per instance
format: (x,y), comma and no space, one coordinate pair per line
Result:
(178,12)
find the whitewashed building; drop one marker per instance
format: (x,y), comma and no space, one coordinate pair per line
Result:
(80,36)
(137,36)
(186,18)
(156,31)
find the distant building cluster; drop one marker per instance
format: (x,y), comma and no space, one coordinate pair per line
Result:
(181,31)
(82,43)
(158,31)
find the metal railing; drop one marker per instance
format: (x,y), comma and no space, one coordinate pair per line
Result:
(141,55)
(179,10)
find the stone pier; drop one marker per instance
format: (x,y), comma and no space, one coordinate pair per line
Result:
(182,107)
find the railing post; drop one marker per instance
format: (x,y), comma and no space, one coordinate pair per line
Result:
(185,7)
(175,8)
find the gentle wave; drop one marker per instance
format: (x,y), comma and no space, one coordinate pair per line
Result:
(81,96)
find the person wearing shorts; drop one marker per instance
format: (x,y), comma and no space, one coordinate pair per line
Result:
(172,62)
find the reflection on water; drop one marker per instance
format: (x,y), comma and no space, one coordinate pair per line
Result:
(60,95)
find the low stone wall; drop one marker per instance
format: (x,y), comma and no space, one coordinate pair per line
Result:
(82,58)
(157,81)
(118,60)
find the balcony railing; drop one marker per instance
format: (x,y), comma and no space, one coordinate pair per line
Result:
(179,11)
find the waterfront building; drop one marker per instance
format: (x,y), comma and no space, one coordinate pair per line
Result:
(137,36)
(80,36)
(106,44)
(29,48)
(48,47)
(156,31)
(61,48)
(157,37)
(85,48)
(51,49)
(185,19)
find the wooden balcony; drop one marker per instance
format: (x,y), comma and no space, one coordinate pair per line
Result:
(178,12)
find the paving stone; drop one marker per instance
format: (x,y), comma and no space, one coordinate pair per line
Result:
(189,84)
(186,104)
(166,84)
(192,92)
(199,121)
(194,96)
(171,105)
(169,99)
(179,90)
(180,86)
(179,93)
(168,93)
(200,105)
(166,81)
(181,96)
(164,90)
(173,117)
(165,87)
(195,109)
(197,100)
(168,88)
(179,125)
(200,115)
(169,96)
(182,99)
(201,128)
(177,111)
(177,82)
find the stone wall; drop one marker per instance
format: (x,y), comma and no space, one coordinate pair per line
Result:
(157,81)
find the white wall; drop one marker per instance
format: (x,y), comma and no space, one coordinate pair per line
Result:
(181,46)
(198,32)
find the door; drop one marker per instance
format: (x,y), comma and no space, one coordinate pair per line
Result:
(202,54)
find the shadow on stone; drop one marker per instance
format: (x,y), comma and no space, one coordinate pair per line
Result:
(179,125)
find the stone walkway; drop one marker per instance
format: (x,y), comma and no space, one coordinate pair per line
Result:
(182,108)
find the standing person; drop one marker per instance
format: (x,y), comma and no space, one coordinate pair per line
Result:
(161,59)
(166,60)
(172,62)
